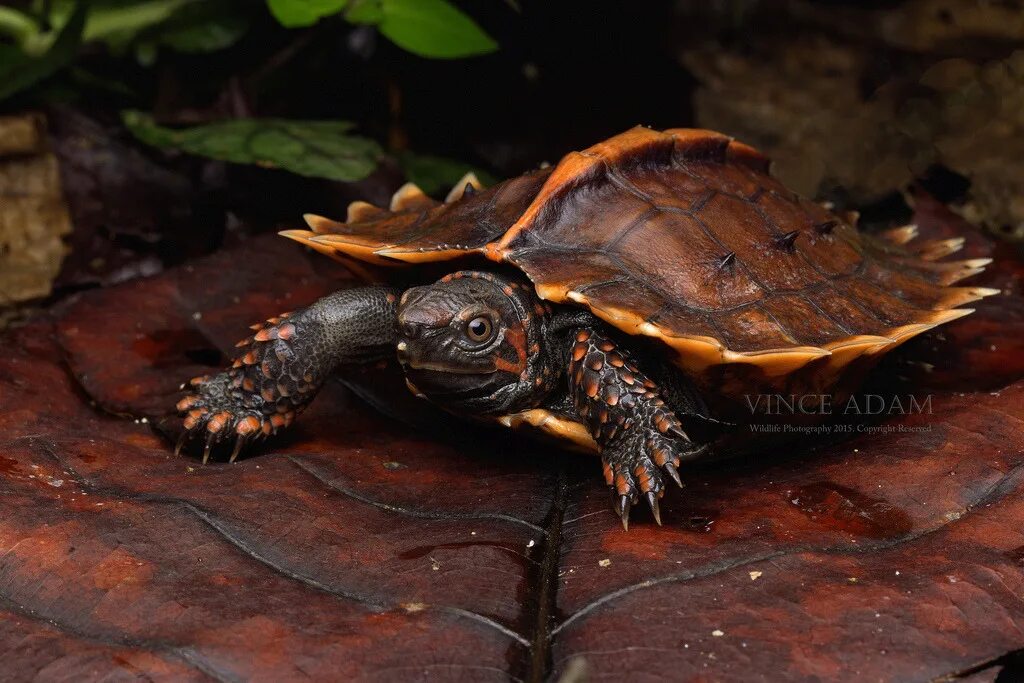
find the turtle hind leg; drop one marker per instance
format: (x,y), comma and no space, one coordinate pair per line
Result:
(281,367)
(641,439)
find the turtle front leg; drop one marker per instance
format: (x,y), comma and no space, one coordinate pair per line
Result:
(280,369)
(639,435)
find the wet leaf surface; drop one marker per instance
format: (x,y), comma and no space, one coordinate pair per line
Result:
(358,548)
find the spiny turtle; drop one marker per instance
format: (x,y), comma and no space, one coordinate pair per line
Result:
(599,301)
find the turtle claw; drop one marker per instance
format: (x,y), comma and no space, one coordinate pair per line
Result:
(239,442)
(622,508)
(652,502)
(674,473)
(637,465)
(677,431)
(217,412)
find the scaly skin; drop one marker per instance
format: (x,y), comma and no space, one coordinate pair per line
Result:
(638,433)
(283,365)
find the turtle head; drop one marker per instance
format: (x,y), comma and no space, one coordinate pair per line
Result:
(472,343)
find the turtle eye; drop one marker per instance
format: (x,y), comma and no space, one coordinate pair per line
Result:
(480,329)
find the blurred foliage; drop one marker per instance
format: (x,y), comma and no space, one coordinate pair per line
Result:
(319,149)
(42,38)
(19,70)
(322,149)
(428,28)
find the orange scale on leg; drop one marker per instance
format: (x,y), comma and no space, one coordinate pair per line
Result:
(621,485)
(640,472)
(247,426)
(186,403)
(218,421)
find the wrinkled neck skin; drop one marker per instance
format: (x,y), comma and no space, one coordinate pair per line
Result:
(518,369)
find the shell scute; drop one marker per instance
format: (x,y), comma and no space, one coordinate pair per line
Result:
(753,329)
(806,323)
(689,277)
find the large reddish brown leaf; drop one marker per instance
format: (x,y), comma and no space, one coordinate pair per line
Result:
(357,547)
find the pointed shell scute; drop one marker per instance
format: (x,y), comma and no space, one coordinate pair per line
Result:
(409,197)
(360,212)
(459,189)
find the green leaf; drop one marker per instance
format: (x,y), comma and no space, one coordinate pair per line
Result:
(207,37)
(433,28)
(114,22)
(118,22)
(320,149)
(364,12)
(21,71)
(17,25)
(299,13)
(204,27)
(436,175)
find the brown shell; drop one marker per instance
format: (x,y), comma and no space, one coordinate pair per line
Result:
(683,236)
